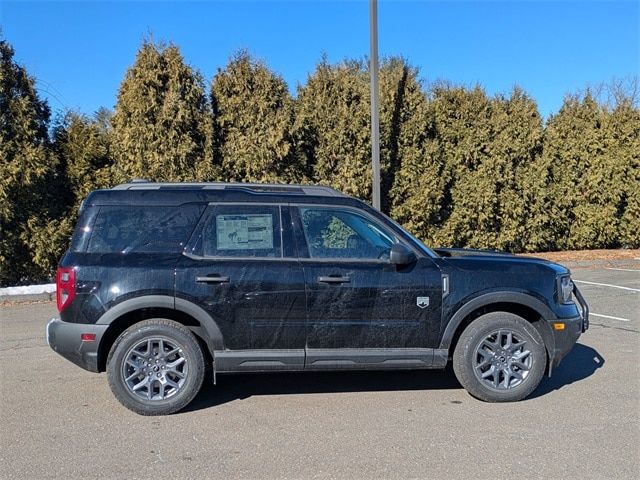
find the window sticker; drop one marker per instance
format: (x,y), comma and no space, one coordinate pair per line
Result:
(244,232)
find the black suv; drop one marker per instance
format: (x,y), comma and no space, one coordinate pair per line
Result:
(166,282)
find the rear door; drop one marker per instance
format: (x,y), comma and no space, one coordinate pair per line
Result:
(362,310)
(241,269)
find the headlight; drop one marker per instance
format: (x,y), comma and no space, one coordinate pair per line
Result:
(565,290)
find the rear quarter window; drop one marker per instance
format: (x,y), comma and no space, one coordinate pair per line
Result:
(143,229)
(84,227)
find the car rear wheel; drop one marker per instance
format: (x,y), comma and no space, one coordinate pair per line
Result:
(155,367)
(500,357)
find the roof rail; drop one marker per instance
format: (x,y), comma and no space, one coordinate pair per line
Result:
(318,190)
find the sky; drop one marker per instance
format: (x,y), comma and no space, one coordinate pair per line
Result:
(79,51)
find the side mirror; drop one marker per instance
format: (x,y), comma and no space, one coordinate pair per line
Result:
(401,255)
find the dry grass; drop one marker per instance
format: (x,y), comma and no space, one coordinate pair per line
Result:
(579,255)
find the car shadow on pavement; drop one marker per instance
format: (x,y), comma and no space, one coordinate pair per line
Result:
(581,362)
(237,387)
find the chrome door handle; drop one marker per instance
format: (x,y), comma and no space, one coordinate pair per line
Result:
(213,279)
(333,279)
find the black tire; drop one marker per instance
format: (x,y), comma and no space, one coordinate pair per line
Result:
(476,347)
(130,355)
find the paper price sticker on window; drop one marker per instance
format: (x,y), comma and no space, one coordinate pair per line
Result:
(244,232)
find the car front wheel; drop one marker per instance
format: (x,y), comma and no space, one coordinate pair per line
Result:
(500,357)
(155,367)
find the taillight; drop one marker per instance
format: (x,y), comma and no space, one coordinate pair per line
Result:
(65,287)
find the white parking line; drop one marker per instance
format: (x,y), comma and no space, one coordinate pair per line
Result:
(608,285)
(624,269)
(610,317)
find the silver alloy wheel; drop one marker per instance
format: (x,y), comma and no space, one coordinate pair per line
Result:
(501,360)
(155,368)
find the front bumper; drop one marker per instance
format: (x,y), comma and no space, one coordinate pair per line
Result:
(64,338)
(584,308)
(564,340)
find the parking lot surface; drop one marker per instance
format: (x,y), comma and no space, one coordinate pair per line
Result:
(58,421)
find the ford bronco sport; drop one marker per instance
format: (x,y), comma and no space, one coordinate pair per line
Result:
(164,282)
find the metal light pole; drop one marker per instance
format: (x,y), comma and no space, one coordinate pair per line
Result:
(375,117)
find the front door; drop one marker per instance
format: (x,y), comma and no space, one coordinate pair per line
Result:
(240,267)
(361,309)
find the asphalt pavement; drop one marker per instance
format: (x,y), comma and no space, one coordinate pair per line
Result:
(58,421)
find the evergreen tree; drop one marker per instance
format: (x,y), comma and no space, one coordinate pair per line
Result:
(464,187)
(332,127)
(462,124)
(253,115)
(419,174)
(581,151)
(540,231)
(458,168)
(514,153)
(625,127)
(25,168)
(82,145)
(161,122)
(404,126)
(333,124)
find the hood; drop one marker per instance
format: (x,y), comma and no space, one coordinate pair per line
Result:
(469,258)
(470,252)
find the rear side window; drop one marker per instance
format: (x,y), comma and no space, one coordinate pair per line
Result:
(84,227)
(242,231)
(143,229)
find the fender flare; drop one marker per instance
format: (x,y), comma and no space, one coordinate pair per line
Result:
(207,323)
(520,298)
(215,340)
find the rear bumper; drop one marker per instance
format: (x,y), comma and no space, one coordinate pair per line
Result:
(64,339)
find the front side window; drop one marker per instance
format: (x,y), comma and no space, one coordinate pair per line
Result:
(242,231)
(336,233)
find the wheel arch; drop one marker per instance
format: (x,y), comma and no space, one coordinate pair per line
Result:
(130,312)
(526,306)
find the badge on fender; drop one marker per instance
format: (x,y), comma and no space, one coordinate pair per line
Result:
(422,302)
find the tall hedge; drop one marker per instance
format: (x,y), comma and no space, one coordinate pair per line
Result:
(26,168)
(589,169)
(332,127)
(81,146)
(161,122)
(459,167)
(625,120)
(403,122)
(253,113)
(333,123)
